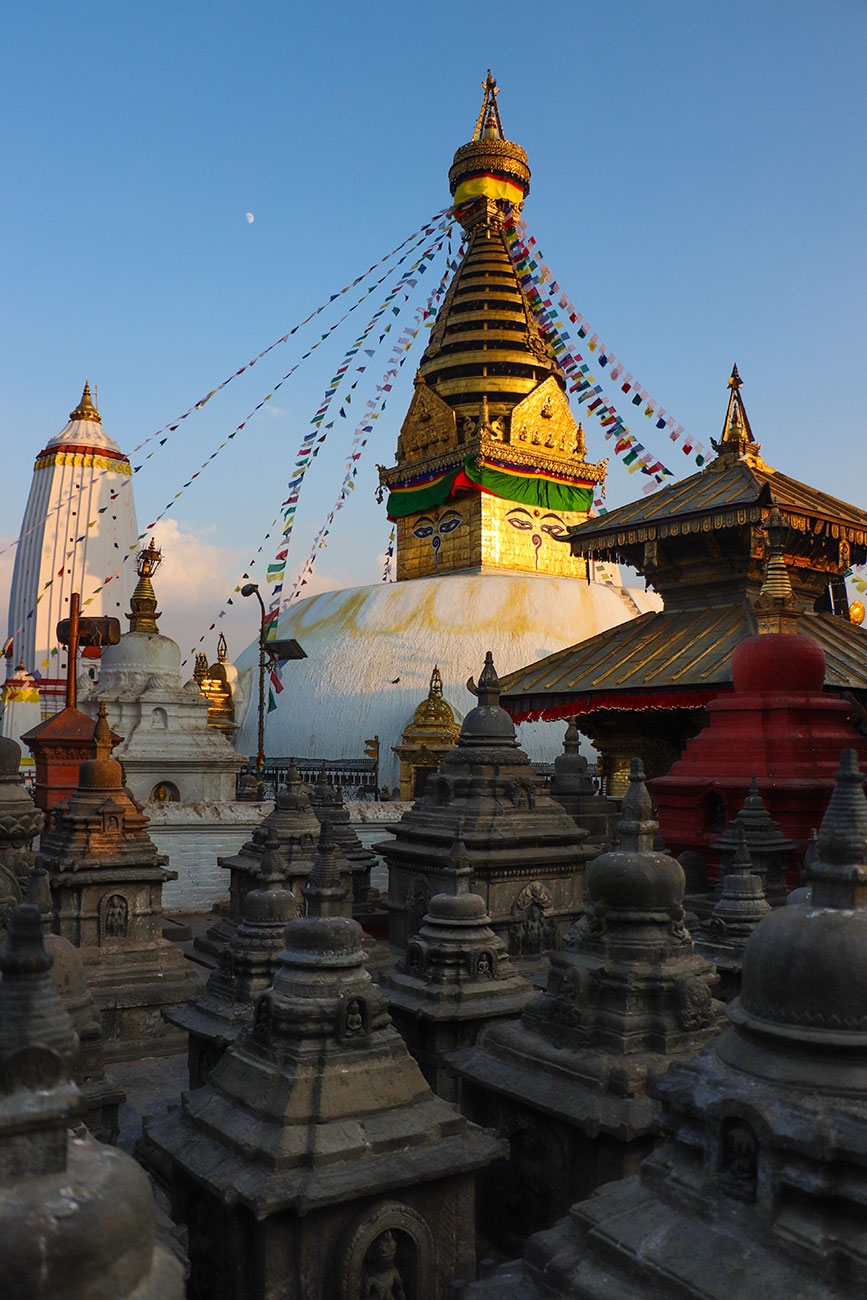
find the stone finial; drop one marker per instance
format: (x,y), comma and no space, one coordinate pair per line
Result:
(325,892)
(272,868)
(460,866)
(637,827)
(487,723)
(488,689)
(839,873)
(102,735)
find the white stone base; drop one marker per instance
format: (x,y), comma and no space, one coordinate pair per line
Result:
(194,835)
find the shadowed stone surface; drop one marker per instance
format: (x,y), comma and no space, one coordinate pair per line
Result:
(316,1142)
(20,823)
(760,1189)
(77,1218)
(454,979)
(106,881)
(627,997)
(526,854)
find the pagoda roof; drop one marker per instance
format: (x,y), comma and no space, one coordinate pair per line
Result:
(724,485)
(672,659)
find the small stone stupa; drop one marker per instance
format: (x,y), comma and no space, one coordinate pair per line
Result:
(20,823)
(454,980)
(771,852)
(106,880)
(77,1219)
(572,786)
(569,1083)
(427,738)
(327,803)
(526,853)
(247,964)
(292,830)
(741,906)
(760,1188)
(169,751)
(316,1140)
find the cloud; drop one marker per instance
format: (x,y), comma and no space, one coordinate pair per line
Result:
(193,581)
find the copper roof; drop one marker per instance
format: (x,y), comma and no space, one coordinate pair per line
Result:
(681,652)
(736,485)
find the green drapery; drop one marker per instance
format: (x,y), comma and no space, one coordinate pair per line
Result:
(529,489)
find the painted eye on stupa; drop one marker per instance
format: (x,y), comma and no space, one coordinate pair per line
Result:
(553,525)
(450,521)
(521,519)
(423,527)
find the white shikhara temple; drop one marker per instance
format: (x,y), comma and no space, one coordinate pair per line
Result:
(79,527)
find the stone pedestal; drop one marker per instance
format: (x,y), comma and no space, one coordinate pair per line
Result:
(569,1083)
(315,1162)
(106,883)
(454,980)
(77,1218)
(526,853)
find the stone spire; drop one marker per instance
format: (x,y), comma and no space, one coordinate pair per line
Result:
(572,786)
(326,893)
(143,603)
(762,1171)
(526,853)
(626,997)
(314,1121)
(768,848)
(327,803)
(247,963)
(76,1217)
(741,906)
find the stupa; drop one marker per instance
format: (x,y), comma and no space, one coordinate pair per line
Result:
(169,751)
(20,823)
(741,906)
(79,527)
(572,786)
(570,1084)
(316,1140)
(773,857)
(778,734)
(247,963)
(490,470)
(760,1187)
(106,880)
(644,688)
(326,800)
(77,1219)
(20,707)
(526,854)
(427,737)
(454,980)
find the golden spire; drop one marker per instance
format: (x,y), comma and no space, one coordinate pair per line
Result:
(85,409)
(490,171)
(737,436)
(102,735)
(775,608)
(143,603)
(436,684)
(493,128)
(222,649)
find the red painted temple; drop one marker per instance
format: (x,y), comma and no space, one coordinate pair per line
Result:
(644,688)
(777,724)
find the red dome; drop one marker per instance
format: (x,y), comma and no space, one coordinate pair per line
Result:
(778,663)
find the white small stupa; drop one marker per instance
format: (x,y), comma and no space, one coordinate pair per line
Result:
(78,527)
(20,708)
(170,751)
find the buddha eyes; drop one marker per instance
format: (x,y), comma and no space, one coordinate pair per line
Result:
(424,528)
(555,529)
(450,523)
(523,522)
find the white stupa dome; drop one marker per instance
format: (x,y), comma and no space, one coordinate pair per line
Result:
(370,652)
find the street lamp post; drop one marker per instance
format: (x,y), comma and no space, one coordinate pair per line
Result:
(252,589)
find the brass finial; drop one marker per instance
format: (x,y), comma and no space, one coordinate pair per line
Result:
(222,649)
(493,127)
(200,672)
(102,735)
(775,608)
(143,603)
(581,443)
(85,409)
(737,438)
(436,684)
(483,427)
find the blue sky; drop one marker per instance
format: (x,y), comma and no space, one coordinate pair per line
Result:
(697,190)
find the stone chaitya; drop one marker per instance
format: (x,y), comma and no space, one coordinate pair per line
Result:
(569,1083)
(20,823)
(760,1188)
(572,786)
(742,904)
(454,979)
(526,853)
(292,829)
(315,1162)
(328,805)
(77,1219)
(215,1016)
(771,853)
(106,881)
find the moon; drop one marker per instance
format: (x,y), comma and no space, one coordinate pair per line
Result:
(250,218)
